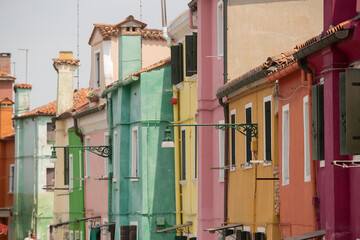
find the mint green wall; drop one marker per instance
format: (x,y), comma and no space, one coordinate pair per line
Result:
(33,206)
(129,55)
(144,104)
(76,196)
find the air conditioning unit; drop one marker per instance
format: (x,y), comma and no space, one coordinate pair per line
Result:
(259,236)
(243,235)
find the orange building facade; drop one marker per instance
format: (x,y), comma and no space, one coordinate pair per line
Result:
(7,167)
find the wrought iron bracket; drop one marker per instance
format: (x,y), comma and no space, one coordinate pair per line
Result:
(243,128)
(102,151)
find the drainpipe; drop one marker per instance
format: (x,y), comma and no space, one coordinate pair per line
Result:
(110,127)
(177,160)
(164,20)
(76,130)
(36,162)
(226,116)
(308,77)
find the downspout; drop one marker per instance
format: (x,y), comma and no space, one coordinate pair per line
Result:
(110,127)
(226,116)
(35,210)
(76,130)
(177,160)
(164,20)
(308,77)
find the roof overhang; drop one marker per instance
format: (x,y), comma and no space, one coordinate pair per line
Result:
(305,236)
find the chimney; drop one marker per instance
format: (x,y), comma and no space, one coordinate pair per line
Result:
(5,62)
(65,66)
(22,98)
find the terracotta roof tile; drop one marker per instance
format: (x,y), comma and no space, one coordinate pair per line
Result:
(50,108)
(152,34)
(5,99)
(66,61)
(22,85)
(8,136)
(6,76)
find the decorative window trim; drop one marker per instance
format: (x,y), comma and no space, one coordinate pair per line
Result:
(232,166)
(307,158)
(285,181)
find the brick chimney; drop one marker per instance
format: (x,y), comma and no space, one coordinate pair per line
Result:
(22,98)
(5,63)
(65,66)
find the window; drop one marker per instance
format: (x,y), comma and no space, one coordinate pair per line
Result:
(80,168)
(183,154)
(115,157)
(195,153)
(285,144)
(248,120)
(307,176)
(71,237)
(66,166)
(220,30)
(77,235)
(267,128)
(133,231)
(12,179)
(106,167)
(135,153)
(233,140)
(50,177)
(71,173)
(87,158)
(97,70)
(221,151)
(50,133)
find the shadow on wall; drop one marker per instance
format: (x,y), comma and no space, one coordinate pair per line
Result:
(248,2)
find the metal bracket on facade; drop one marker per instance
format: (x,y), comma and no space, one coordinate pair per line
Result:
(102,151)
(243,128)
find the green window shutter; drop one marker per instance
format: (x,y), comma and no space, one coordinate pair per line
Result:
(268,130)
(190,50)
(317,122)
(352,93)
(66,166)
(248,136)
(342,103)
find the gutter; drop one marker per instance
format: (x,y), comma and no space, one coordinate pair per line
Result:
(272,77)
(320,44)
(117,85)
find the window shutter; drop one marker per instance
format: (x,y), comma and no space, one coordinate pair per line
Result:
(124,232)
(66,166)
(352,93)
(268,130)
(342,103)
(259,236)
(190,55)
(243,235)
(180,237)
(176,64)
(132,232)
(248,136)
(195,50)
(318,122)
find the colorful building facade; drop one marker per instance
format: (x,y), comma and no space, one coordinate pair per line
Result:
(34,171)
(184,80)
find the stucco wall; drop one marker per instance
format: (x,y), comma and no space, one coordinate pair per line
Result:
(264,28)
(153,50)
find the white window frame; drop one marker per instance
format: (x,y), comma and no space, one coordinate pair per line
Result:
(267,162)
(232,167)
(220,29)
(307,161)
(285,150)
(221,152)
(248,165)
(87,158)
(71,235)
(77,235)
(106,160)
(96,73)
(135,223)
(71,172)
(80,169)
(135,153)
(12,179)
(115,156)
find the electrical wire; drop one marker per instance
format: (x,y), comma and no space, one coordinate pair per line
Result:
(297,88)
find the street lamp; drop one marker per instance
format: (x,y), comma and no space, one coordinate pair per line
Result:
(102,151)
(167,141)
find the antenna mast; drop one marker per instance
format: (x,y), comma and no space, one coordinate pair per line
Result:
(140,10)
(77,48)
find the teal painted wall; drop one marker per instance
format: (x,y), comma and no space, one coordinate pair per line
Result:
(129,55)
(146,105)
(33,206)
(76,196)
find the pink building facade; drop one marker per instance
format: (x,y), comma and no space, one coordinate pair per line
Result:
(210,78)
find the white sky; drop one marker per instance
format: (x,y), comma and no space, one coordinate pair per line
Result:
(46,27)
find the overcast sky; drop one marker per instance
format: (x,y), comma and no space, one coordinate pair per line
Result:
(47,26)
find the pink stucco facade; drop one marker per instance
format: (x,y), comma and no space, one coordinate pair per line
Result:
(210,78)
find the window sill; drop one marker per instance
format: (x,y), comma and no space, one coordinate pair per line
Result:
(248,165)
(182,183)
(267,163)
(134,179)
